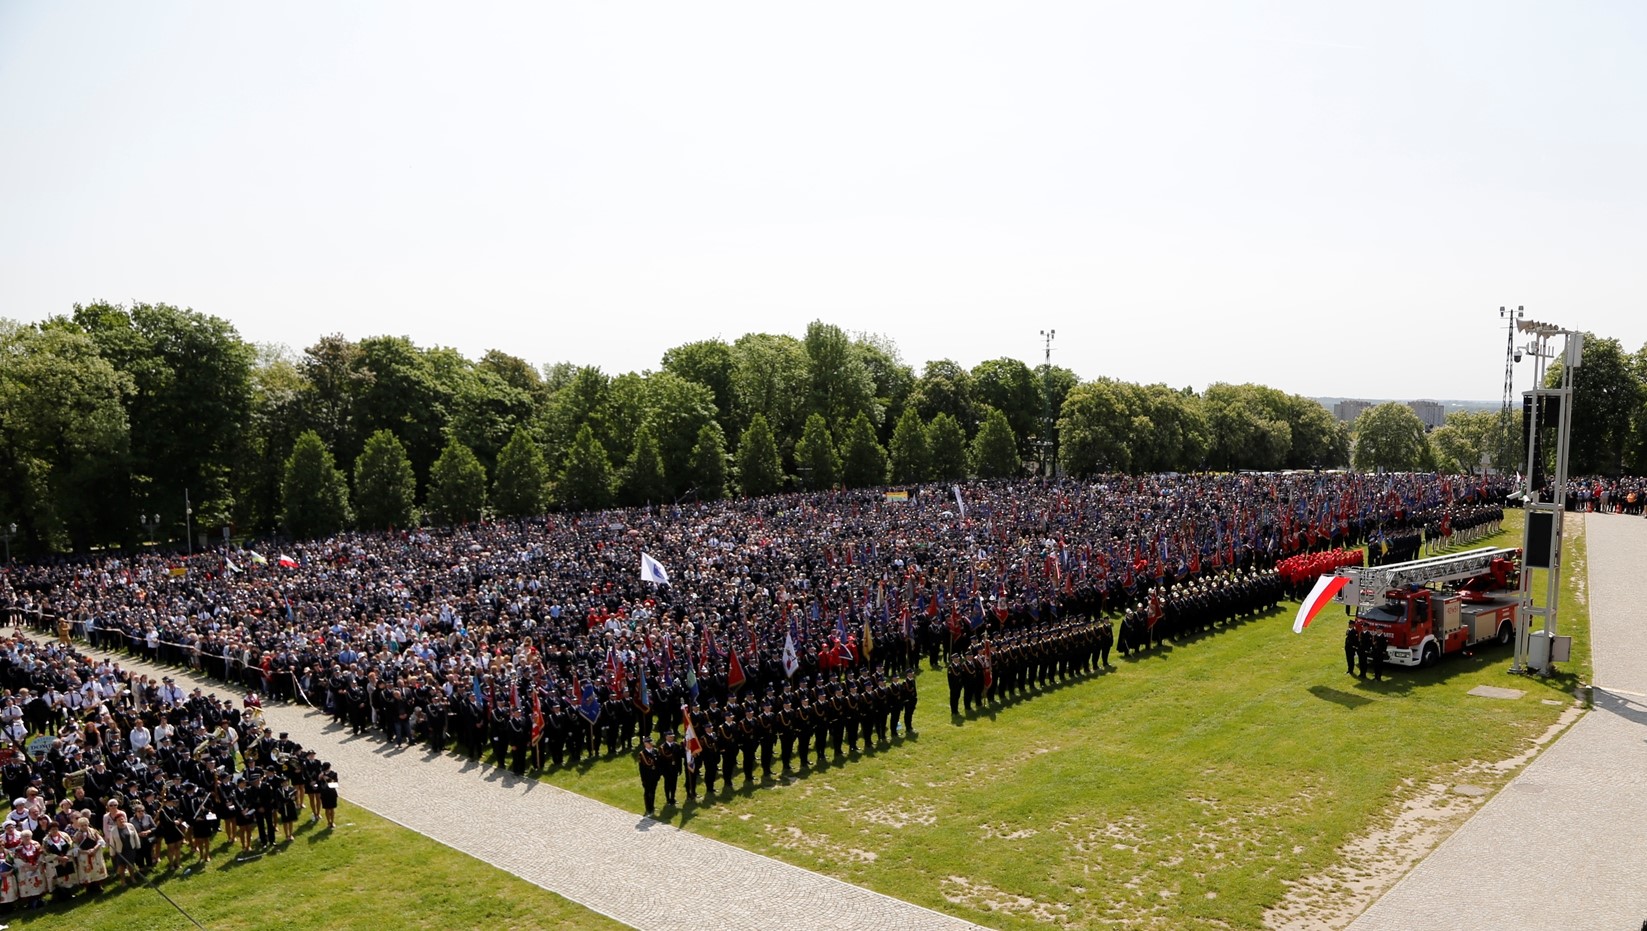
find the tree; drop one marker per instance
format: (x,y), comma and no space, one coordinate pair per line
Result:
(586,478)
(63,439)
(280,395)
(1458,443)
(946,388)
(893,380)
(643,478)
(457,485)
(815,455)
(760,472)
(709,463)
(385,488)
(314,495)
(520,485)
(487,409)
(863,461)
(411,392)
(1009,386)
(772,379)
(1096,428)
(1249,427)
(1056,382)
(713,364)
(909,452)
(841,386)
(1389,437)
(995,449)
(946,447)
(187,368)
(335,381)
(1606,396)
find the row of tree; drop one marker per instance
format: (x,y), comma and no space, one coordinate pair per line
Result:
(111,415)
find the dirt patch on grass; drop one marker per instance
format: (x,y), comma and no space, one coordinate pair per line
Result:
(984,897)
(1370,864)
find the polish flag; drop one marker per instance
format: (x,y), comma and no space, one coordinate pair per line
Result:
(1325,587)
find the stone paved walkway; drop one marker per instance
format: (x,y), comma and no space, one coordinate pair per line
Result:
(636,870)
(1564,845)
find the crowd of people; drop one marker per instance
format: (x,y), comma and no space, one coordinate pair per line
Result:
(1625,494)
(542,641)
(112,775)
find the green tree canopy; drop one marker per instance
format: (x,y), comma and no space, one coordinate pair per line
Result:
(457,486)
(314,495)
(815,455)
(520,484)
(385,488)
(643,478)
(946,388)
(840,382)
(709,463)
(1010,387)
(760,472)
(946,449)
(995,449)
(64,438)
(910,462)
(863,461)
(1389,437)
(586,478)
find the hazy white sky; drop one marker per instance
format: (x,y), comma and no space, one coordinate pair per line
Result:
(1330,198)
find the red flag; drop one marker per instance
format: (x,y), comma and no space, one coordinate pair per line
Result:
(734,671)
(537,715)
(693,745)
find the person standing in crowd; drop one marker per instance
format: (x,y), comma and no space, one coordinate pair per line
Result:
(651,768)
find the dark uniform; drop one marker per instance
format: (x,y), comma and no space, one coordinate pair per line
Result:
(651,768)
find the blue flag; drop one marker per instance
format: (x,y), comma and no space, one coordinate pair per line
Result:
(590,706)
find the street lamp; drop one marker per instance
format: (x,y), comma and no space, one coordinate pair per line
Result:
(11,531)
(188,526)
(150,525)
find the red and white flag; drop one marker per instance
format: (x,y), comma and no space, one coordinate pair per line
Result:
(1325,587)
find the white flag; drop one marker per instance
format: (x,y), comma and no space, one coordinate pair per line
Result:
(653,571)
(791,662)
(958,502)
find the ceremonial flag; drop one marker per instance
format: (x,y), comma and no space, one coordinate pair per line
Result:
(734,671)
(791,662)
(868,642)
(537,715)
(229,565)
(989,665)
(258,558)
(690,738)
(287,562)
(589,706)
(691,678)
(958,502)
(177,571)
(1155,611)
(643,693)
(653,571)
(1325,588)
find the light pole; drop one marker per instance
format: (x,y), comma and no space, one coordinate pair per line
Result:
(11,531)
(1049,465)
(188,523)
(1512,355)
(1541,535)
(150,525)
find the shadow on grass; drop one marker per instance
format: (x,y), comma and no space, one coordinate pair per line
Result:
(1347,699)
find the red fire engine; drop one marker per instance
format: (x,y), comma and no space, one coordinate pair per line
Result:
(1428,608)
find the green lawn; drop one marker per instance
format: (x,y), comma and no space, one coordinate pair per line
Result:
(368,873)
(1181,789)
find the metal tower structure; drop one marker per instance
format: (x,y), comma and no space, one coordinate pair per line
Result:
(1049,465)
(1511,357)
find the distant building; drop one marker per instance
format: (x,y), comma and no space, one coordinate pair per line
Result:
(1431,412)
(1347,410)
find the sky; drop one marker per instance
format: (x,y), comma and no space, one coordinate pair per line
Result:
(1330,198)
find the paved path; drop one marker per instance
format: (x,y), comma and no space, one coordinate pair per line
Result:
(1564,845)
(636,870)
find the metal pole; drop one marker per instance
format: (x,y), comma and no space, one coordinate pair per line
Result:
(188,523)
(1049,464)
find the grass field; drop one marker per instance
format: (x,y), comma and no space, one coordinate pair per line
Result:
(1183,789)
(368,873)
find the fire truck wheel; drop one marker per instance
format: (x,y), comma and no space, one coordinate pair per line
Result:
(1505,634)
(1431,655)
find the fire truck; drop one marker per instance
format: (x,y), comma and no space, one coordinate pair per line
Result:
(1428,608)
